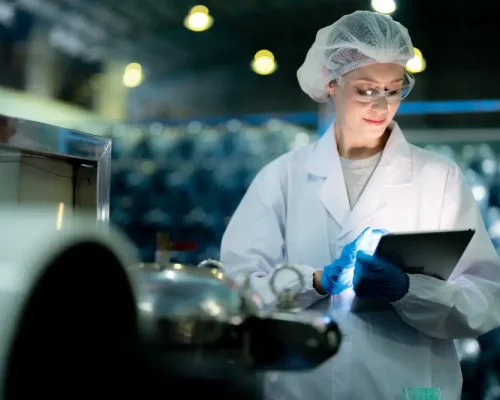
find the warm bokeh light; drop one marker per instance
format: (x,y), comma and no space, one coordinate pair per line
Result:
(198,19)
(132,77)
(384,6)
(264,63)
(416,64)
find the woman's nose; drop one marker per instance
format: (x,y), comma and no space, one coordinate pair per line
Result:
(380,104)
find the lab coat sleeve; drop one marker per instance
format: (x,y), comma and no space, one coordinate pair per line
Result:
(253,243)
(466,305)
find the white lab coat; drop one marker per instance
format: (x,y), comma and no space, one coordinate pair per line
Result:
(297,211)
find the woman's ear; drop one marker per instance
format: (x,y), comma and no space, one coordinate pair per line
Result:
(331,89)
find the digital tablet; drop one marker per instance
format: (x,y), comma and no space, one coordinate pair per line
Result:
(428,253)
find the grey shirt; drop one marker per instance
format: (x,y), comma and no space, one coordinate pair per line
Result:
(357,173)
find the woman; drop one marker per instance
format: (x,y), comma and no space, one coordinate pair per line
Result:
(311,207)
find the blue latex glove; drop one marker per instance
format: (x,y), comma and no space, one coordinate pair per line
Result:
(337,276)
(375,278)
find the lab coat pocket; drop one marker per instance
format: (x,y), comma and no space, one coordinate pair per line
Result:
(342,360)
(342,372)
(385,346)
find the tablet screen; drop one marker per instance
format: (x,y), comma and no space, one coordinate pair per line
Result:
(430,253)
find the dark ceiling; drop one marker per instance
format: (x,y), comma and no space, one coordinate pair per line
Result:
(459,40)
(152,31)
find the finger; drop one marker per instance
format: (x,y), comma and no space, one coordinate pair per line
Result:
(380,231)
(369,263)
(350,249)
(363,257)
(361,236)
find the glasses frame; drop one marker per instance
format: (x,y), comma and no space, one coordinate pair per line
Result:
(385,93)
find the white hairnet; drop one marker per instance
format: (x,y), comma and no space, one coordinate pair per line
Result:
(355,40)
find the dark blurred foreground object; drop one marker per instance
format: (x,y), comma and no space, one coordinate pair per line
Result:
(81,318)
(7,129)
(488,375)
(480,360)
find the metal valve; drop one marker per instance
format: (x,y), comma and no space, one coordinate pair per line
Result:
(211,264)
(287,297)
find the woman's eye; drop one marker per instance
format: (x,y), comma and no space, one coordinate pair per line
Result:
(365,92)
(394,92)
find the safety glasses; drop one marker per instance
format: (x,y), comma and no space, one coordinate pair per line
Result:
(365,93)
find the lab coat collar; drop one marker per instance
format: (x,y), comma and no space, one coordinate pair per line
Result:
(396,160)
(323,156)
(394,169)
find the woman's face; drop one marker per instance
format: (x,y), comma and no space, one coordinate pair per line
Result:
(357,110)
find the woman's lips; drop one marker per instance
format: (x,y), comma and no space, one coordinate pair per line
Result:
(376,122)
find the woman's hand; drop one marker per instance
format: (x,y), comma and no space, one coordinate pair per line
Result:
(317,282)
(375,278)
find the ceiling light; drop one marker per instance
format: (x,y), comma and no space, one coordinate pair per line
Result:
(384,6)
(198,19)
(132,77)
(264,63)
(416,64)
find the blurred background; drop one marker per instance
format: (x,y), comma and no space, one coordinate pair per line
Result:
(198,97)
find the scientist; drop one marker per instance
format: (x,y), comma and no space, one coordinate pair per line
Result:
(312,207)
